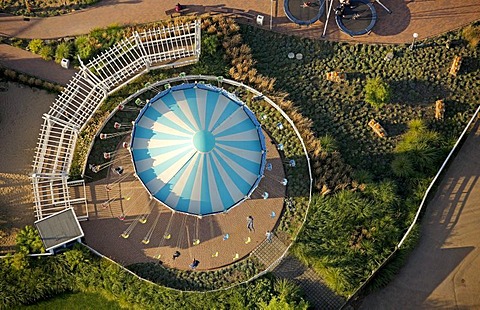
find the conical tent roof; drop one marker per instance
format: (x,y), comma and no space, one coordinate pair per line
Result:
(198,149)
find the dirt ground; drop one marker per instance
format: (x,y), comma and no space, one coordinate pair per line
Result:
(21,109)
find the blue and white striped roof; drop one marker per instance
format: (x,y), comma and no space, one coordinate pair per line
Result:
(198,149)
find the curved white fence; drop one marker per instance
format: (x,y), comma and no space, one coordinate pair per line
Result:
(157,48)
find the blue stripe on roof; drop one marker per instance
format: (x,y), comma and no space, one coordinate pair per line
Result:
(184,204)
(191,97)
(243,126)
(252,145)
(172,104)
(152,114)
(205,200)
(225,196)
(164,165)
(212,98)
(171,124)
(251,166)
(147,175)
(229,110)
(241,184)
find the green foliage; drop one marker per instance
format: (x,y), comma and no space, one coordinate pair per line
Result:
(377,93)
(328,143)
(46,52)
(83,47)
(210,44)
(28,241)
(418,152)
(78,271)
(347,233)
(78,301)
(35,45)
(63,50)
(278,303)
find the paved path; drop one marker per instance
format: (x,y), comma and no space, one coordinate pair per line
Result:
(443,270)
(317,293)
(428,18)
(31,64)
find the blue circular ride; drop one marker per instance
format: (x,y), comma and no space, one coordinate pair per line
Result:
(198,149)
(304,12)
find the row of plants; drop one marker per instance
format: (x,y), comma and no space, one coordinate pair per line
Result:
(26,280)
(42,8)
(10,75)
(197,280)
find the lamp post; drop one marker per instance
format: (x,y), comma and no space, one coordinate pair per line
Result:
(415,36)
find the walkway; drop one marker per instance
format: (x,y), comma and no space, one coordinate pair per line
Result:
(428,18)
(31,64)
(443,270)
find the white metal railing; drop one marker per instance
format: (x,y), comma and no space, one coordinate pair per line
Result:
(77,103)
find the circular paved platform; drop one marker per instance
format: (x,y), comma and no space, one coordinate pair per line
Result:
(129,198)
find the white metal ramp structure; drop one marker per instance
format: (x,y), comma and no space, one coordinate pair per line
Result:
(156,48)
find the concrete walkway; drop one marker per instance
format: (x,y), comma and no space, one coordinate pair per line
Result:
(443,270)
(428,18)
(31,64)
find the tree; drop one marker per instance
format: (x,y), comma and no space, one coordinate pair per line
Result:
(377,92)
(278,303)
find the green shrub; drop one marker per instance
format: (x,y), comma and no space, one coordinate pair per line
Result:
(210,44)
(35,46)
(83,47)
(28,241)
(377,93)
(63,50)
(46,52)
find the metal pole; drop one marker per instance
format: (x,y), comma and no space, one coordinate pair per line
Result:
(415,36)
(328,12)
(271,14)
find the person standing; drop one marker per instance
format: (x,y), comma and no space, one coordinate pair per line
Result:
(269,236)
(250,223)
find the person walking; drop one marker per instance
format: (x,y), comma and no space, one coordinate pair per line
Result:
(250,223)
(269,236)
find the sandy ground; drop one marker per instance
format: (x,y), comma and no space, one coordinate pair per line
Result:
(20,120)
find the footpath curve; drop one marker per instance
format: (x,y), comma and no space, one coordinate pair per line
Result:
(428,18)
